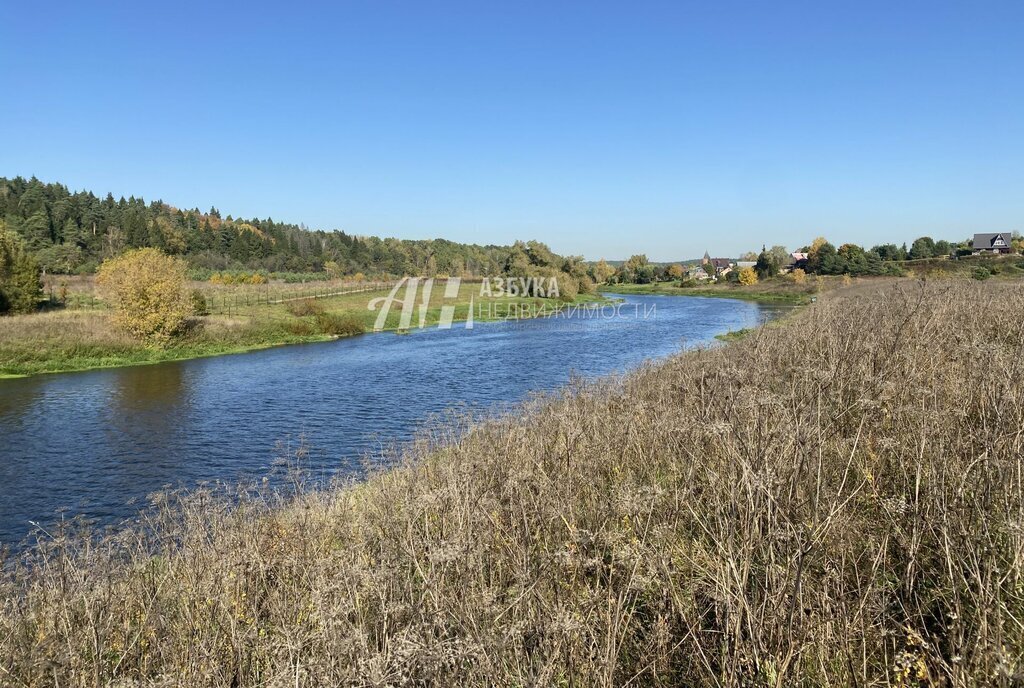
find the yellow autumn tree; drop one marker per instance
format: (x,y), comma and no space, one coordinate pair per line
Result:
(332,269)
(147,290)
(748,276)
(601,271)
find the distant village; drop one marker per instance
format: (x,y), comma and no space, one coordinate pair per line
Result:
(713,268)
(990,243)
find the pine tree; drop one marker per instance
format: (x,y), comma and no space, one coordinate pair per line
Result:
(20,287)
(36,230)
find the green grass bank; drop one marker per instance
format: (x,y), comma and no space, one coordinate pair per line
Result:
(67,340)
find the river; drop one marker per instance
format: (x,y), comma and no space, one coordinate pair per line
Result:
(96,443)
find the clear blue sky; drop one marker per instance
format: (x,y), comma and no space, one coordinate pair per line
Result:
(604,129)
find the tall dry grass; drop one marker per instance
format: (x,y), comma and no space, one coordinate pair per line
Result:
(835,501)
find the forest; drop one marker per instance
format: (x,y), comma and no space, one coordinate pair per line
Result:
(73,232)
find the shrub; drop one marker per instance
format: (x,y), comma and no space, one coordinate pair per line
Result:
(748,276)
(339,325)
(981,273)
(199,306)
(568,288)
(304,307)
(238,278)
(586,285)
(20,286)
(147,291)
(303,328)
(798,276)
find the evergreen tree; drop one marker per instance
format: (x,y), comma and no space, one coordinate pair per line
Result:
(36,230)
(766,266)
(20,286)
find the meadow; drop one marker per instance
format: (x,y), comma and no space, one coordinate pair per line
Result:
(777,290)
(783,289)
(835,500)
(78,333)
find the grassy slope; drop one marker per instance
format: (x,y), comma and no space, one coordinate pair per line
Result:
(782,290)
(60,341)
(833,501)
(773,291)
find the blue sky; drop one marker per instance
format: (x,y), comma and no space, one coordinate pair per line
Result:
(602,128)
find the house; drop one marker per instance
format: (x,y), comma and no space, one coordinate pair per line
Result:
(697,272)
(716,266)
(740,264)
(992,243)
(797,260)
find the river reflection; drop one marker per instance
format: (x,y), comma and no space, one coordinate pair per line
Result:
(94,443)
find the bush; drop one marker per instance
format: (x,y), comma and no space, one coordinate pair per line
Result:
(304,307)
(199,306)
(797,276)
(147,291)
(238,278)
(981,274)
(339,325)
(302,328)
(568,289)
(748,276)
(20,287)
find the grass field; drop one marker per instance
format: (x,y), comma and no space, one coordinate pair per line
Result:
(834,501)
(245,318)
(783,290)
(779,290)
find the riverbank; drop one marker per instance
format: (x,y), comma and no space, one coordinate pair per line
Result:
(833,501)
(779,291)
(75,340)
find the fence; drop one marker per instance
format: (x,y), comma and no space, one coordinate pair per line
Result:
(231,300)
(80,293)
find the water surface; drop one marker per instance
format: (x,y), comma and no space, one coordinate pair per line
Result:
(96,442)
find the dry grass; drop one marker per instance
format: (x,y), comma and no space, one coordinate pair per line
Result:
(74,333)
(835,501)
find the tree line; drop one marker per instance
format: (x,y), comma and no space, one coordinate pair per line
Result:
(46,228)
(74,232)
(50,229)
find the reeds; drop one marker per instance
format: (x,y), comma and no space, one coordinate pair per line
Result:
(834,501)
